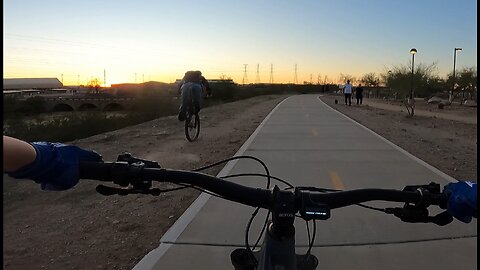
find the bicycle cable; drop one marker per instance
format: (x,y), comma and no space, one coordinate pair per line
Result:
(311,238)
(247,245)
(238,157)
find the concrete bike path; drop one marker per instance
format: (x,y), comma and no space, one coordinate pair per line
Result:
(307,143)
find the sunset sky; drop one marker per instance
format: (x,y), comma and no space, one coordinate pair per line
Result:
(135,41)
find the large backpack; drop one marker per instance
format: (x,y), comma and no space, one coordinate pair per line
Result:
(192,76)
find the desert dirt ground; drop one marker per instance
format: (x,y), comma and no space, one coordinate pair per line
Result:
(80,229)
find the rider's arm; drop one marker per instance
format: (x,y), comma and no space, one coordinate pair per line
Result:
(207,86)
(462,200)
(16,154)
(179,90)
(54,166)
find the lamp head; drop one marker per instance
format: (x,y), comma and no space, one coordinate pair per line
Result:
(413,51)
(458,49)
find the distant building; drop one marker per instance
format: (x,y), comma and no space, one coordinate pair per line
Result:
(31,83)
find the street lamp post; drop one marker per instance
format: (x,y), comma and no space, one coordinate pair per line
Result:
(454,61)
(413,51)
(389,81)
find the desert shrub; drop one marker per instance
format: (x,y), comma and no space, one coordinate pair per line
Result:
(150,106)
(224,91)
(68,127)
(32,105)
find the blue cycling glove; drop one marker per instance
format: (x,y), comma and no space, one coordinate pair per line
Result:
(56,166)
(462,200)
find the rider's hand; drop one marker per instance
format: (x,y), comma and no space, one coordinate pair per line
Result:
(56,166)
(462,200)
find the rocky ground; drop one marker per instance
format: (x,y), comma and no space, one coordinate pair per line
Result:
(80,229)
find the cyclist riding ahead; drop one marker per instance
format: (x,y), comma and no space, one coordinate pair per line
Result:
(192,84)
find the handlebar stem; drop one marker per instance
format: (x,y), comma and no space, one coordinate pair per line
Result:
(283,213)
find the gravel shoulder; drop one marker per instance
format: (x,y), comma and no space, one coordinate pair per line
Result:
(431,135)
(80,229)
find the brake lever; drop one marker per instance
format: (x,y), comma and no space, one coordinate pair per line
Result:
(418,212)
(414,214)
(132,167)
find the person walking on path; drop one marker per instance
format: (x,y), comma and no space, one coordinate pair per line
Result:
(347,91)
(359,94)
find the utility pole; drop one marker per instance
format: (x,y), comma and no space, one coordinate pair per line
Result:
(245,79)
(257,78)
(311,81)
(271,73)
(295,80)
(62,78)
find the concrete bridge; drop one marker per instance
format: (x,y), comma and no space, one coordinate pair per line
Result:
(72,103)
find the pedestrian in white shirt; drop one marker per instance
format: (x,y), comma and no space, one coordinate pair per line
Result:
(347,90)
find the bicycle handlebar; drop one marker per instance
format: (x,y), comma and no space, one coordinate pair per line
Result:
(125,174)
(122,173)
(138,175)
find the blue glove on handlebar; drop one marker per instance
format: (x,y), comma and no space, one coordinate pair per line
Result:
(56,166)
(462,200)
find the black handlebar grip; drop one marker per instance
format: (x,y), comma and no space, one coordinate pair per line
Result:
(96,171)
(439,199)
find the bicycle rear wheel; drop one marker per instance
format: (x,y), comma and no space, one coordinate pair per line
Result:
(192,126)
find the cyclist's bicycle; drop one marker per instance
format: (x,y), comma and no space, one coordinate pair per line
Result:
(192,119)
(311,203)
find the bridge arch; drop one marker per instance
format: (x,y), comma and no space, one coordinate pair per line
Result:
(113,107)
(62,107)
(87,107)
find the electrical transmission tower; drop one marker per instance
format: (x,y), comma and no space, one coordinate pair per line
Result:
(295,80)
(271,73)
(257,78)
(245,79)
(319,78)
